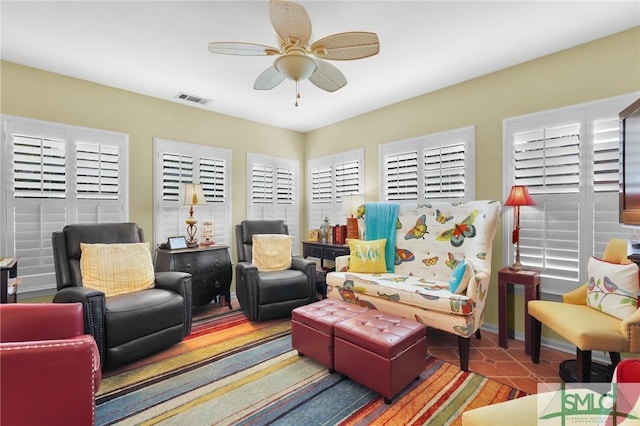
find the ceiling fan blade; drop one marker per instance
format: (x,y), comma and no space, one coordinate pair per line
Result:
(328,77)
(242,49)
(291,22)
(347,46)
(269,79)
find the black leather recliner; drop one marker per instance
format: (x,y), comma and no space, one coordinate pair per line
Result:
(128,326)
(273,294)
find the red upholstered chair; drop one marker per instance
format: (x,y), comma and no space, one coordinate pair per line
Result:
(49,369)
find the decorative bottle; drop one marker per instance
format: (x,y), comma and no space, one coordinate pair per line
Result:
(324,230)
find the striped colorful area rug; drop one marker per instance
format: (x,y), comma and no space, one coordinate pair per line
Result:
(232,371)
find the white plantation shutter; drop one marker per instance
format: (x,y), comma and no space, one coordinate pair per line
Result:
(99,163)
(262,184)
(272,187)
(329,178)
(97,171)
(347,178)
(213,172)
(214,178)
(547,161)
(176,169)
(54,175)
(401,176)
(176,163)
(285,186)
(444,172)
(321,183)
(568,159)
(39,166)
(439,166)
(605,178)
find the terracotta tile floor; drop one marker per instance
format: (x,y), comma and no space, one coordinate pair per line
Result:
(509,366)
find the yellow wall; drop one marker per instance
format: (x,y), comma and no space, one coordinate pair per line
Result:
(604,68)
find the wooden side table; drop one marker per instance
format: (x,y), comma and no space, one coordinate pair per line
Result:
(530,280)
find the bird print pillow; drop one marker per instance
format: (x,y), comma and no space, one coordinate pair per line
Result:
(612,287)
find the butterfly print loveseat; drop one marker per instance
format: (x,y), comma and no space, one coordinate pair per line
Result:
(441,268)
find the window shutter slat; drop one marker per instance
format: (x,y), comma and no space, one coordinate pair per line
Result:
(401,176)
(176,169)
(285,186)
(444,173)
(321,185)
(39,167)
(212,178)
(97,171)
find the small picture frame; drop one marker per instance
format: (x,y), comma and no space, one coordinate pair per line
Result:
(314,235)
(174,243)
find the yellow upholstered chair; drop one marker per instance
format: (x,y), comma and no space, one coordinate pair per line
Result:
(585,327)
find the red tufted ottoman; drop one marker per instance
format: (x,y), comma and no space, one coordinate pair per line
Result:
(380,351)
(312,328)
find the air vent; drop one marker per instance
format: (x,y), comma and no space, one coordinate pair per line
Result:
(192,98)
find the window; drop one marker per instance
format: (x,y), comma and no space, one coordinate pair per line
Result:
(272,191)
(329,178)
(568,159)
(433,167)
(53,175)
(178,162)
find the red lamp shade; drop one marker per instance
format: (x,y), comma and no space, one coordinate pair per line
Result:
(519,196)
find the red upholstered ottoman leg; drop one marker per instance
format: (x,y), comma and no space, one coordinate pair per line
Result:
(380,351)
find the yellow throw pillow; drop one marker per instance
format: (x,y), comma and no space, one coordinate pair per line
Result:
(271,252)
(116,268)
(367,256)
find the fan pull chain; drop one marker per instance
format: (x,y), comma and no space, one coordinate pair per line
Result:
(297,92)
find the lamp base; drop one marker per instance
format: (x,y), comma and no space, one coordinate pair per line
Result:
(352,229)
(192,242)
(517,267)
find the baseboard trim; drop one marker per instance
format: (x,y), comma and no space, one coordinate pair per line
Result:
(557,345)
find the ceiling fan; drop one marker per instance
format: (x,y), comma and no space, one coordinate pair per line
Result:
(298,60)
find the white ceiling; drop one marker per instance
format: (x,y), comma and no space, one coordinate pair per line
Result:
(160,48)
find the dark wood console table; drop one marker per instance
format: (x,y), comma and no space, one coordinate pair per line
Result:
(210,269)
(8,279)
(323,251)
(633,252)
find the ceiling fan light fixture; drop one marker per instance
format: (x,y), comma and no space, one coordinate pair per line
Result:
(296,67)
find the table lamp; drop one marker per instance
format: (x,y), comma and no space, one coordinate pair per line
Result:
(519,196)
(193,195)
(350,204)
